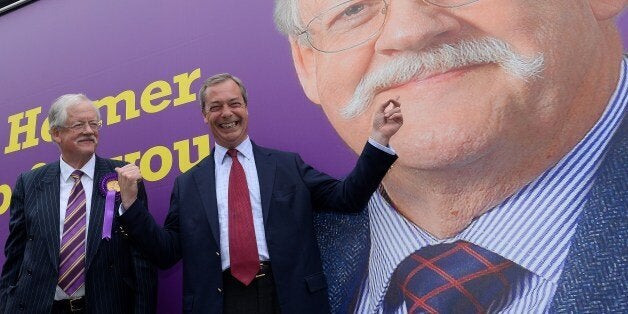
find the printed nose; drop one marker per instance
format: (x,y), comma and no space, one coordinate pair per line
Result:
(415,25)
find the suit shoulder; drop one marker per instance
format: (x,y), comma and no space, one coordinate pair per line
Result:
(113,162)
(32,177)
(38,172)
(276,152)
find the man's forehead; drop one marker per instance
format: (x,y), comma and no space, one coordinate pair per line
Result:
(308,9)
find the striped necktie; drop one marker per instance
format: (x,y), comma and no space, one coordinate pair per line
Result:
(72,254)
(458,277)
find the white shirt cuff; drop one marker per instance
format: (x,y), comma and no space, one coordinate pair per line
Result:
(381,147)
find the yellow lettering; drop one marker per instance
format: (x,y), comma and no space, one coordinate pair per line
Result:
(132,157)
(110,103)
(37,165)
(28,129)
(185,81)
(5,191)
(166,163)
(183,147)
(45,131)
(154,91)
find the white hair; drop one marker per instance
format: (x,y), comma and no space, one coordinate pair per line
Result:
(58,113)
(287,18)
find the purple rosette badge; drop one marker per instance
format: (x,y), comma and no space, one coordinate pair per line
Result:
(110,189)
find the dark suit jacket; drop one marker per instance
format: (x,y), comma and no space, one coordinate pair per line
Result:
(117,278)
(595,277)
(289,189)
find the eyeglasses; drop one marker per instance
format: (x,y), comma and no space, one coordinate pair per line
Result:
(80,126)
(354,22)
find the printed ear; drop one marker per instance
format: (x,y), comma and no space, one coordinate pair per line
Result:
(606,9)
(305,65)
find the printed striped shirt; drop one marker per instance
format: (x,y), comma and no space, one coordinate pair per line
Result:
(532,228)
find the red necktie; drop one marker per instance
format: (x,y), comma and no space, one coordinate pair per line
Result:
(243,254)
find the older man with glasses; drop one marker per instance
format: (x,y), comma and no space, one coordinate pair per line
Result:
(65,252)
(509,194)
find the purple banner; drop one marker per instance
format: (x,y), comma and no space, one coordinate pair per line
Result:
(143,62)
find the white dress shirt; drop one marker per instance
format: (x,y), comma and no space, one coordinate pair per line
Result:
(223,168)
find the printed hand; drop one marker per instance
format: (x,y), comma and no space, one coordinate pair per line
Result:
(387,119)
(128,177)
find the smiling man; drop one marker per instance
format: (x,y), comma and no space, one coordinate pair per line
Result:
(242,218)
(513,150)
(64,253)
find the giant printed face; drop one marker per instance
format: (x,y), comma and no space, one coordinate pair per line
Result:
(474,80)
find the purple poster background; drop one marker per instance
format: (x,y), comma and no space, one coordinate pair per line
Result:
(49,48)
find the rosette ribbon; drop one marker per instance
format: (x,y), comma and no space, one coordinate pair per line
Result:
(110,189)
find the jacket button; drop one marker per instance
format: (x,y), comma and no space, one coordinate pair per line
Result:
(29,272)
(219,290)
(22,307)
(30,237)
(218,253)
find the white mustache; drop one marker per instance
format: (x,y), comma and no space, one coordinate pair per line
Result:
(407,67)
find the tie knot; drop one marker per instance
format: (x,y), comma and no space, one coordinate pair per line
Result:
(233,153)
(76,175)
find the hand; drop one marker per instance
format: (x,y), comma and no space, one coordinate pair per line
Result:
(387,119)
(128,177)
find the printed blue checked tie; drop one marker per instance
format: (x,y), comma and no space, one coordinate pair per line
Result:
(457,277)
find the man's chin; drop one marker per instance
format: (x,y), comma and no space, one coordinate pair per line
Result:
(438,156)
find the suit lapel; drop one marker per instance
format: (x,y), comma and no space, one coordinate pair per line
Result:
(49,208)
(266,168)
(204,177)
(592,275)
(97,210)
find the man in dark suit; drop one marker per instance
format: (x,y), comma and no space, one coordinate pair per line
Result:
(285,273)
(514,148)
(65,254)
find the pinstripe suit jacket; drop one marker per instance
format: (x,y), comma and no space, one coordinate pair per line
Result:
(117,279)
(595,277)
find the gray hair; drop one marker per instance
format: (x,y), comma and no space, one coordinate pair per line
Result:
(217,79)
(58,113)
(287,18)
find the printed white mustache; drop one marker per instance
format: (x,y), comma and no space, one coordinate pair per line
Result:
(439,60)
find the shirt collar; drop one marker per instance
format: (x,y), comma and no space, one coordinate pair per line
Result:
(88,168)
(245,149)
(508,228)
